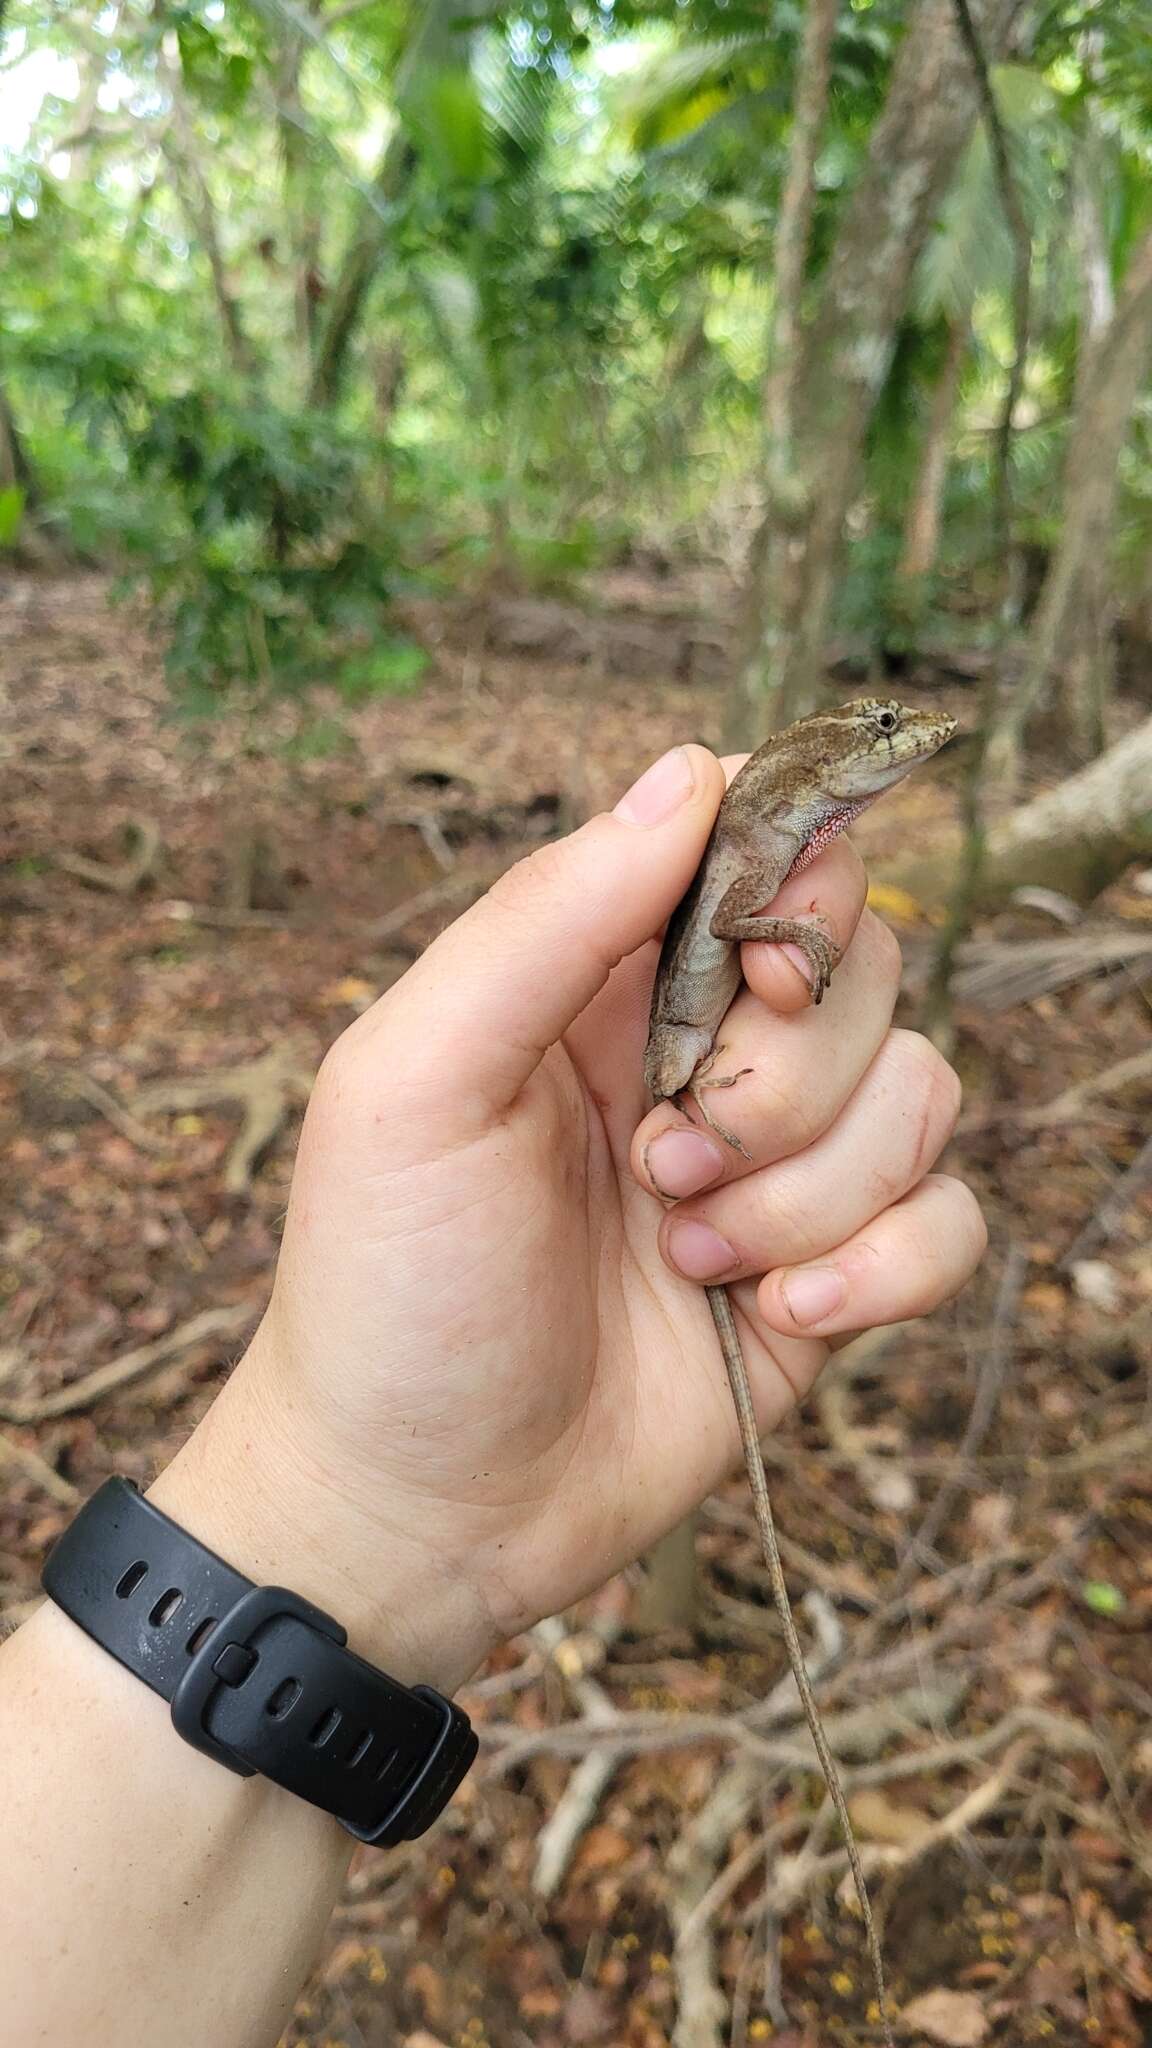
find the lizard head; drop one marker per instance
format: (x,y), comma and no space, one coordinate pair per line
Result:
(831,766)
(867,745)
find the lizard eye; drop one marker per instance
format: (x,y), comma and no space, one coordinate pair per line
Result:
(888,721)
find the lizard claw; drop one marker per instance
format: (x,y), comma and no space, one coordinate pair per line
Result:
(729,1137)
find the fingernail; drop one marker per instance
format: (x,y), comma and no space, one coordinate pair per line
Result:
(661,790)
(800,960)
(699,1252)
(812,1294)
(682,1162)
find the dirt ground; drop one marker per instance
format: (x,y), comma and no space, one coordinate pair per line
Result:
(189,920)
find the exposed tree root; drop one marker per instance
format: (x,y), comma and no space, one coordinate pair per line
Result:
(265,1089)
(39,1471)
(120,878)
(131,1366)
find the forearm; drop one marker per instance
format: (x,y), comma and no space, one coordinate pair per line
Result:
(149,1893)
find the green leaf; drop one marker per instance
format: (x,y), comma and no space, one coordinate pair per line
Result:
(1102,1597)
(11,514)
(447,120)
(390,670)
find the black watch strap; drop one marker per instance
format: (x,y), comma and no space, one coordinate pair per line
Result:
(256,1677)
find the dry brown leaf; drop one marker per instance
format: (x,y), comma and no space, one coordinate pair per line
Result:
(427,1985)
(990,1520)
(588,2016)
(873,1814)
(423,2040)
(351,989)
(1119,1943)
(955,2019)
(898,904)
(1030,1682)
(604,1848)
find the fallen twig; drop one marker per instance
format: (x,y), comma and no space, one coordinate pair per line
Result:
(857,1731)
(691,1869)
(452,889)
(581,1796)
(229,919)
(1104,1224)
(996,974)
(39,1471)
(1077,1101)
(132,1366)
(988,1390)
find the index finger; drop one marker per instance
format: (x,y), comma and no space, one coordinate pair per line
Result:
(834,888)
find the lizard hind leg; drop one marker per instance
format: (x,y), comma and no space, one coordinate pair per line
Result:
(738,918)
(700,1082)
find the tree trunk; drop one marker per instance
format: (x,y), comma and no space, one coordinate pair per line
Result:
(794,225)
(438,26)
(195,194)
(1079,836)
(1072,631)
(921,545)
(300,196)
(1076,838)
(15,463)
(844,357)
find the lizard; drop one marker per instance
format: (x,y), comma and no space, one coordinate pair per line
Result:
(793,796)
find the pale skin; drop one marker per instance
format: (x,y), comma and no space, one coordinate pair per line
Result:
(483,1385)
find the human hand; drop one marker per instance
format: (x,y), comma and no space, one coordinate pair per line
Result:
(482,1384)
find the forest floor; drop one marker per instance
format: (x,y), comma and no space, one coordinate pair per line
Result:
(189,920)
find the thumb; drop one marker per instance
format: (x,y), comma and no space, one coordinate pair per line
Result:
(508,978)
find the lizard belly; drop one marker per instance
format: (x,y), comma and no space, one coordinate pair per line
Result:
(678,1044)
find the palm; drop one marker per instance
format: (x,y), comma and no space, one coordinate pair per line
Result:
(566,1402)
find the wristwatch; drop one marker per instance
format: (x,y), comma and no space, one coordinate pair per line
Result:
(257,1677)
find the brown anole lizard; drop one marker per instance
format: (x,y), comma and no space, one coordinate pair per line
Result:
(794,796)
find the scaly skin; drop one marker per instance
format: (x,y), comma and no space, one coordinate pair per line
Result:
(794,795)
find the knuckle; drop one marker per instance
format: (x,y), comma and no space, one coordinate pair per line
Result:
(336,1085)
(791,1119)
(923,1069)
(520,890)
(968,1220)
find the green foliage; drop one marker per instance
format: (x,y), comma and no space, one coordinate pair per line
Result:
(274,561)
(12,501)
(550,230)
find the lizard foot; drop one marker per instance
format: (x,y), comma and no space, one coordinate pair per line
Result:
(701,1081)
(729,1137)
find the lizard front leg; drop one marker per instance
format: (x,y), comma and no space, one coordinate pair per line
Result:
(737,917)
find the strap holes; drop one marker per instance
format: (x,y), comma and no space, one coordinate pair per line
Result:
(325,1728)
(383,1768)
(361,1750)
(166,1606)
(200,1634)
(126,1586)
(284,1699)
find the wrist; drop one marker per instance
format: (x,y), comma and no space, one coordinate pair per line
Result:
(253,1487)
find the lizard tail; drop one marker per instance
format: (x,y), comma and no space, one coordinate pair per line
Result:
(729,1336)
